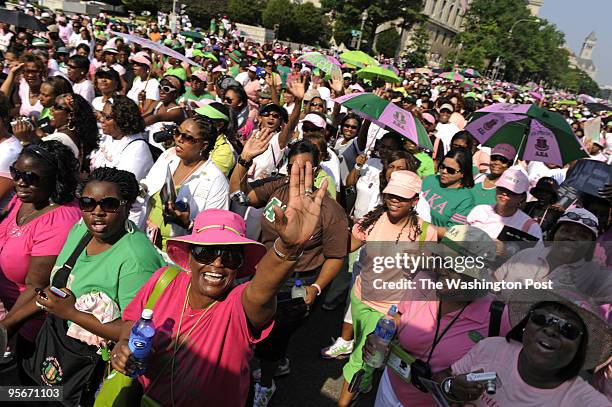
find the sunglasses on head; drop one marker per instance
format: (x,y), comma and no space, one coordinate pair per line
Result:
(567,329)
(231,256)
(575,217)
(28,177)
(186,137)
(167,88)
(450,170)
(501,159)
(109,204)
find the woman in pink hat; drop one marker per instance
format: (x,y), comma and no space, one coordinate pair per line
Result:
(205,324)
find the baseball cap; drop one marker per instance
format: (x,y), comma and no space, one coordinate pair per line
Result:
(110,49)
(447,106)
(253,68)
(53,28)
(141,58)
(347,75)
(201,75)
(428,117)
(315,119)
(311,94)
(514,180)
(505,150)
(582,217)
(405,184)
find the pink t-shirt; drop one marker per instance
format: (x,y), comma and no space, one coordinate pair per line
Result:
(212,368)
(500,356)
(43,236)
(416,335)
(484,217)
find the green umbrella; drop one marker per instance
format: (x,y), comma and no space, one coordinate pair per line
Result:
(376,72)
(318,60)
(567,102)
(358,58)
(193,34)
(210,55)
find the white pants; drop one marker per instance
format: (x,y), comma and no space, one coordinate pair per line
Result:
(385,396)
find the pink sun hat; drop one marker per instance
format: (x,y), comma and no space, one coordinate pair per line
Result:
(217,227)
(405,184)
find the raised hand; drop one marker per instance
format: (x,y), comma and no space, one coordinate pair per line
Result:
(337,84)
(297,88)
(297,223)
(257,144)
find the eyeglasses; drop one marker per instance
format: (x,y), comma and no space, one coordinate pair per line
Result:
(501,159)
(228,101)
(72,67)
(585,221)
(28,177)
(316,105)
(567,329)
(167,89)
(231,257)
(274,115)
(186,137)
(57,106)
(269,66)
(109,204)
(348,126)
(507,192)
(451,171)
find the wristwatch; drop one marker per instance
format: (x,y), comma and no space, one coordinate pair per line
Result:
(246,164)
(447,384)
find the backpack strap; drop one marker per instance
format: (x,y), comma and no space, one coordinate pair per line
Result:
(164,280)
(527,225)
(436,146)
(496,311)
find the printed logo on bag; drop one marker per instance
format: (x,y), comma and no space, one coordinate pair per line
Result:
(51,371)
(269,212)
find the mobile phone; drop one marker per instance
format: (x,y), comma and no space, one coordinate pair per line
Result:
(58,292)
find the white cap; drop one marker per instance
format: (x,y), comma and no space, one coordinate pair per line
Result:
(147,313)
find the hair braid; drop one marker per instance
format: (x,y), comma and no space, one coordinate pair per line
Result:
(125,181)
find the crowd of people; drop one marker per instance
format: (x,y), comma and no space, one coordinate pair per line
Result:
(231,162)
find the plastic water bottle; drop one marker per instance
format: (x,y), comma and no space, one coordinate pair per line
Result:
(140,341)
(383,335)
(298,290)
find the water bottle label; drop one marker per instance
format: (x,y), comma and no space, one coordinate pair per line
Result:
(385,333)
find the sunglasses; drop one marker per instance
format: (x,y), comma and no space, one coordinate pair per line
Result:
(57,106)
(567,329)
(575,217)
(186,137)
(274,115)
(501,159)
(449,170)
(72,67)
(316,105)
(348,126)
(231,257)
(28,177)
(109,204)
(228,101)
(167,88)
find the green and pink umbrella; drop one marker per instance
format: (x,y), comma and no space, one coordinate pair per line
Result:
(324,63)
(451,76)
(472,73)
(537,134)
(377,72)
(388,115)
(358,59)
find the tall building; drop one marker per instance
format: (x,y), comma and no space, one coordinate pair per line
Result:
(534,6)
(584,60)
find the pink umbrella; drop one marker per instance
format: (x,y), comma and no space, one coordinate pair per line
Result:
(390,67)
(536,95)
(334,61)
(153,46)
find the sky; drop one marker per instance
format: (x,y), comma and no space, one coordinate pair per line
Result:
(577,19)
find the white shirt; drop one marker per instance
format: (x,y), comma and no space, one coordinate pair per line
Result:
(243,78)
(84,88)
(206,188)
(368,187)
(9,150)
(268,162)
(26,108)
(124,154)
(445,133)
(485,218)
(332,167)
(5,40)
(537,170)
(151,88)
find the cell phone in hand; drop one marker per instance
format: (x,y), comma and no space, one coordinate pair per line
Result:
(58,292)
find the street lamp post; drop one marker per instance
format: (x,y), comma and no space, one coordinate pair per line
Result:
(459,47)
(364,17)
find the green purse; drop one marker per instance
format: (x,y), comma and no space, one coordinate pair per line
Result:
(119,390)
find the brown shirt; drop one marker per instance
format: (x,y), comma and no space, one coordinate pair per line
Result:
(330,240)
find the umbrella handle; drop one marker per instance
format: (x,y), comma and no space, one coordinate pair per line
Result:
(519,149)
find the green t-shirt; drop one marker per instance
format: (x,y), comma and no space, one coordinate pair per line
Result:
(482,195)
(119,272)
(45,114)
(331,184)
(427,165)
(449,206)
(284,72)
(178,72)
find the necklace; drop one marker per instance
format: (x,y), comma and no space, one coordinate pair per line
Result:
(191,171)
(22,219)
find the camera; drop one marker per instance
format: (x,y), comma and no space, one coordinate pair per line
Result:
(420,369)
(488,378)
(24,119)
(165,135)
(240,198)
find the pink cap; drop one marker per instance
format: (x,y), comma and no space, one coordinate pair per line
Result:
(514,180)
(403,183)
(505,150)
(141,58)
(428,117)
(314,119)
(201,75)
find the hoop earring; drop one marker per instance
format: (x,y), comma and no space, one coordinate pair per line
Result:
(70,125)
(128,226)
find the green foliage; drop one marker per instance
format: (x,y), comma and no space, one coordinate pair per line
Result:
(387,42)
(416,54)
(279,12)
(246,12)
(308,24)
(577,81)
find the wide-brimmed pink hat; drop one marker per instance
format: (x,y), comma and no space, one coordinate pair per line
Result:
(217,227)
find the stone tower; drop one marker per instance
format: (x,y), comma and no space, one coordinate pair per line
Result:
(534,6)
(587,47)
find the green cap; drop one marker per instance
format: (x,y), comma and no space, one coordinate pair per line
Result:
(235,55)
(197,53)
(167,41)
(470,95)
(212,113)
(198,46)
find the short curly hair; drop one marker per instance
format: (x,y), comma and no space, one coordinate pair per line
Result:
(61,163)
(127,115)
(125,181)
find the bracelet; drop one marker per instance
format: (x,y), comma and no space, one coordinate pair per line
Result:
(283,256)
(318,287)
(246,164)
(445,386)
(358,167)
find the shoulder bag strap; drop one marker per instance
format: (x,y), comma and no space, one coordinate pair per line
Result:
(61,276)
(496,310)
(164,280)
(527,225)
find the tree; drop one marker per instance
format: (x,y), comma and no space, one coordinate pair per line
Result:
(279,12)
(419,47)
(308,24)
(387,42)
(246,12)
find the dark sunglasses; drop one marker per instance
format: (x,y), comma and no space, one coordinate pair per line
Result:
(507,192)
(227,100)
(28,177)
(167,88)
(348,126)
(186,137)
(567,329)
(575,217)
(57,106)
(450,170)
(231,257)
(501,159)
(109,204)
(316,105)
(271,114)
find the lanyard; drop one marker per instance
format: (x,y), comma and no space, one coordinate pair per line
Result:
(437,339)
